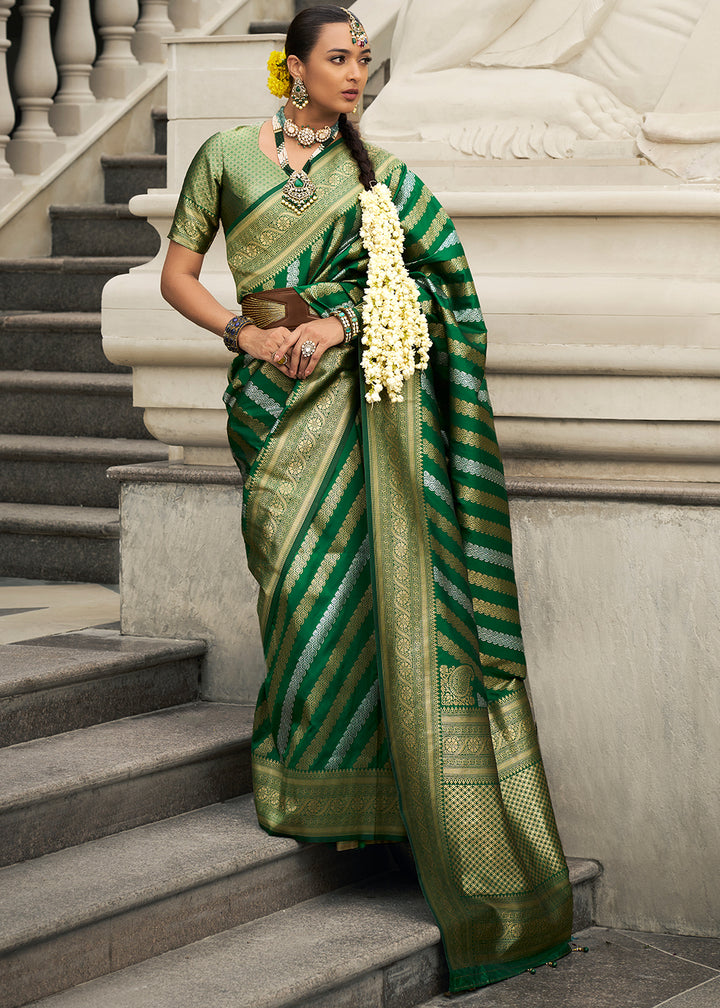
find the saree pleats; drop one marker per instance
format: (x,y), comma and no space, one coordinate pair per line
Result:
(320,752)
(394,704)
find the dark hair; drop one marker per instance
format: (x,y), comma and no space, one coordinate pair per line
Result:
(302,37)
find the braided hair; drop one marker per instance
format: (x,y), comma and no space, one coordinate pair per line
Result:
(301,38)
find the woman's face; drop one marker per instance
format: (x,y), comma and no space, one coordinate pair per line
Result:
(335,73)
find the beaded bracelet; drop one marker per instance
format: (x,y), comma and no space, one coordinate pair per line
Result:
(232,330)
(348,320)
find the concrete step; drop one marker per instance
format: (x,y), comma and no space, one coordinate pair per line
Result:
(53,341)
(48,543)
(67,404)
(68,471)
(60,791)
(370,945)
(102,229)
(67,681)
(57,284)
(126,175)
(83,912)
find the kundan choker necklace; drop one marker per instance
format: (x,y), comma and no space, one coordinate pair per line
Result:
(306,136)
(299,191)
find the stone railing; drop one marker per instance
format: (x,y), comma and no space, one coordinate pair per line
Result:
(65,76)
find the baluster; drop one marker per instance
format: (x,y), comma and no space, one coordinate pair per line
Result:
(7,112)
(117,71)
(154,24)
(75,106)
(185,14)
(34,145)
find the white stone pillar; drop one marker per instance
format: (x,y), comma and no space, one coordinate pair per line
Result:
(75,106)
(117,71)
(7,112)
(153,26)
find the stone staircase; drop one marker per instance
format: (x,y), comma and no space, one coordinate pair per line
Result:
(67,411)
(135,874)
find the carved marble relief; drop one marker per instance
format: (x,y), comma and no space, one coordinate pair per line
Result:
(532,78)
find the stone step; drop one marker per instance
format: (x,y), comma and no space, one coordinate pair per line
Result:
(373,944)
(67,681)
(159,118)
(370,945)
(101,229)
(126,175)
(60,283)
(68,404)
(268,27)
(67,789)
(53,341)
(80,913)
(68,470)
(49,543)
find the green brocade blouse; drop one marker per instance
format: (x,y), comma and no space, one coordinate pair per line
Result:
(229,180)
(225,178)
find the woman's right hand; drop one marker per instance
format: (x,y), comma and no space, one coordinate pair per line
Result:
(263,344)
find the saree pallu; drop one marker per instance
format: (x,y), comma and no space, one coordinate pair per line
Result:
(394,703)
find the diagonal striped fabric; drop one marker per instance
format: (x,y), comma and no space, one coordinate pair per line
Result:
(394,703)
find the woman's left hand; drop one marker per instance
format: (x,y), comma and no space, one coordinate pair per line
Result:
(323,332)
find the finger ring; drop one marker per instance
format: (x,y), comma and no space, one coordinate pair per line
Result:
(283,359)
(308,348)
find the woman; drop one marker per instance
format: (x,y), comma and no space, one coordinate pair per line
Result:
(375,516)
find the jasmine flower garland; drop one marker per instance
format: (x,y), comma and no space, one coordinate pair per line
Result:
(395,332)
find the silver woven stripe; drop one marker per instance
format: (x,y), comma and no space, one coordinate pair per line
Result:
(405,190)
(489,555)
(263,400)
(467,381)
(312,648)
(469,315)
(351,732)
(478,469)
(293,273)
(500,639)
(436,487)
(427,386)
(452,239)
(453,591)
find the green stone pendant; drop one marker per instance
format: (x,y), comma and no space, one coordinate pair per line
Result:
(299,192)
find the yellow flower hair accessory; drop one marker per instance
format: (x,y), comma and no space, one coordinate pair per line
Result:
(279,80)
(395,332)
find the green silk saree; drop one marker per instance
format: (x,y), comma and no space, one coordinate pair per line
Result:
(394,704)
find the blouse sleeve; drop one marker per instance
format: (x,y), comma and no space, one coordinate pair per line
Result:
(197,215)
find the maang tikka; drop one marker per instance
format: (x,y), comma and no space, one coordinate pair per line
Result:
(358,35)
(299,94)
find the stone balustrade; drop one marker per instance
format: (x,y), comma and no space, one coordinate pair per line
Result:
(96,52)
